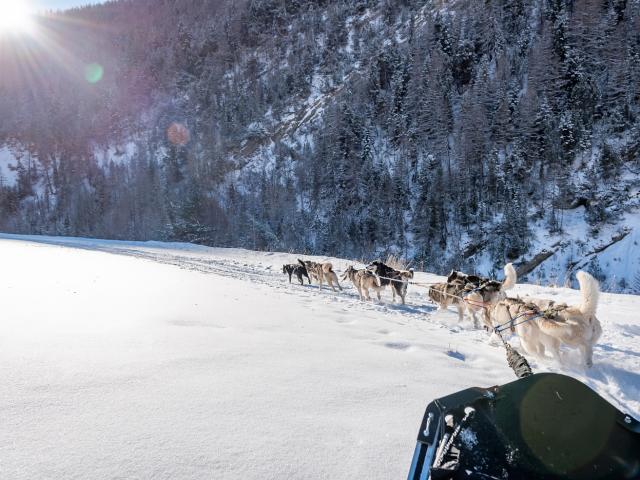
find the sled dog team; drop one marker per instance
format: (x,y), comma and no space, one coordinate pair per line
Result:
(376,276)
(542,325)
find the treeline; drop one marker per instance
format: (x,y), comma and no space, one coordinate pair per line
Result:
(438,131)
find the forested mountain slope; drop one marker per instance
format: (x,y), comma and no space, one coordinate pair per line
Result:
(455,133)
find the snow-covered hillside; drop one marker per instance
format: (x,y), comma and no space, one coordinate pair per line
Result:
(610,254)
(7,160)
(151,360)
(456,134)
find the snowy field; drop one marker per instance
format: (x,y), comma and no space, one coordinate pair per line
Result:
(170,361)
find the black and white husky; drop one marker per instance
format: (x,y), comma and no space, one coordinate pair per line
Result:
(297,270)
(397,279)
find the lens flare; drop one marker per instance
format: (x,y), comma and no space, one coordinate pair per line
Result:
(178,134)
(93,72)
(15,17)
(582,418)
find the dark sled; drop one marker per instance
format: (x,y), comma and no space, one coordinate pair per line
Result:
(545,426)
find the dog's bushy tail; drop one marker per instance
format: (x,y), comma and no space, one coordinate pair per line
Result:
(327,267)
(301,262)
(510,277)
(345,274)
(590,290)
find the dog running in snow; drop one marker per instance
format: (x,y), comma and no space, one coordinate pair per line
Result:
(321,272)
(445,294)
(297,270)
(363,280)
(549,325)
(472,293)
(387,276)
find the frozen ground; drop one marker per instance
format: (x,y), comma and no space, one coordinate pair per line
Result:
(169,361)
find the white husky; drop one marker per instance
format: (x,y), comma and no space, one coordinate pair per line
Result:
(552,325)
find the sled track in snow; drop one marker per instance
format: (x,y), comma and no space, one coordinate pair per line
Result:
(616,359)
(605,376)
(264,276)
(419,311)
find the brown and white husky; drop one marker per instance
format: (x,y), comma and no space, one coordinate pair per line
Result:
(473,294)
(363,280)
(321,272)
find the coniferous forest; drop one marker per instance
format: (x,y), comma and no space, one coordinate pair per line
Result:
(441,131)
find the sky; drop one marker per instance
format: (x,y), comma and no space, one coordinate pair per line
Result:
(61,4)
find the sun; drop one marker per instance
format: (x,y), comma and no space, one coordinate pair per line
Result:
(15,17)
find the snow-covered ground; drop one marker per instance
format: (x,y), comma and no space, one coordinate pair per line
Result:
(171,361)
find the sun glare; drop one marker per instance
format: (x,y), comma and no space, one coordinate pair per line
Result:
(15,17)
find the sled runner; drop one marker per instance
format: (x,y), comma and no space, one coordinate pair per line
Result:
(544,426)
